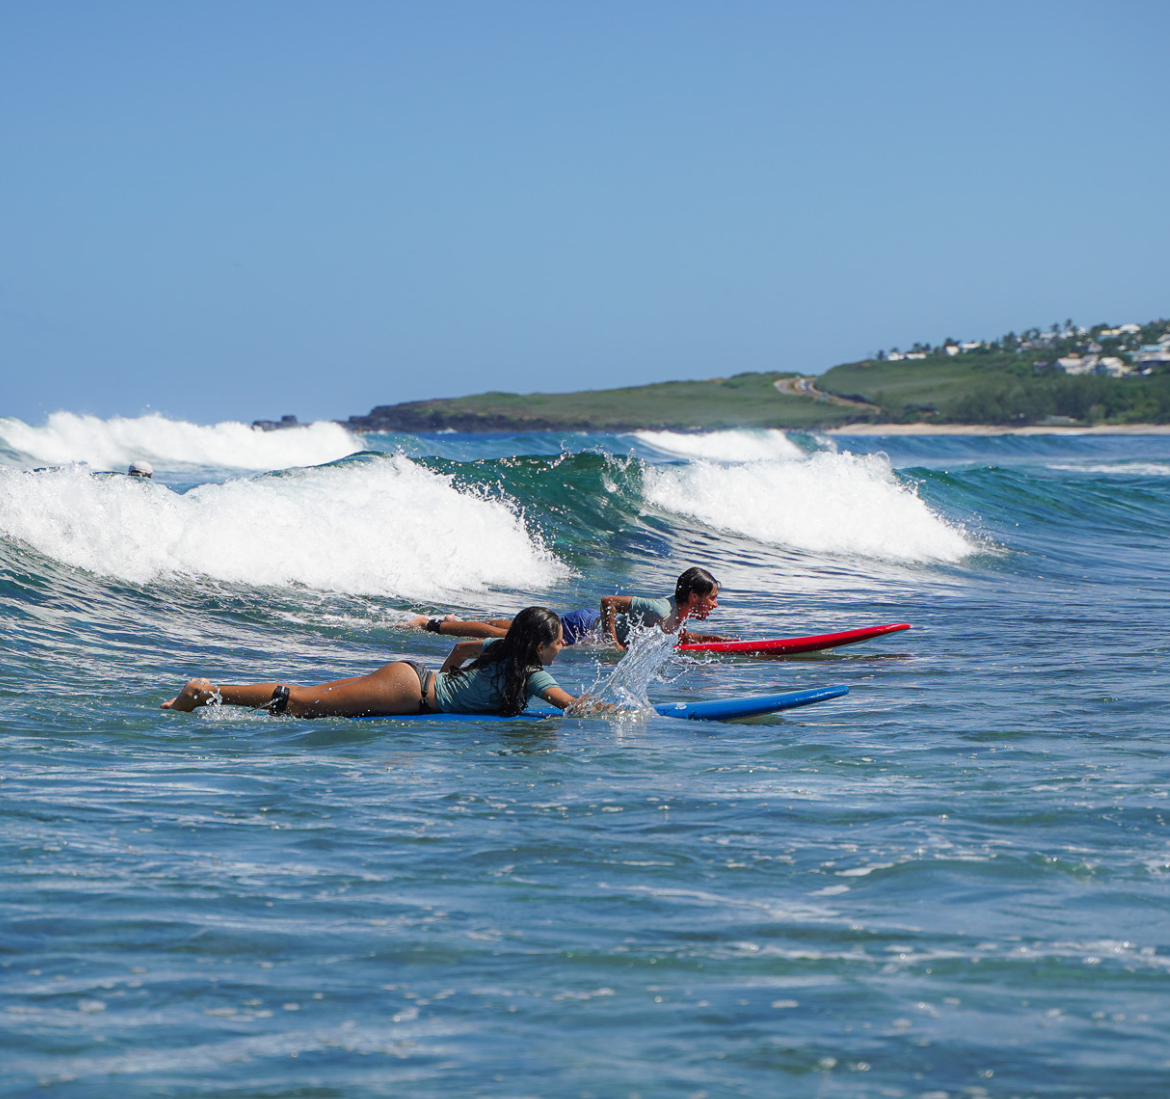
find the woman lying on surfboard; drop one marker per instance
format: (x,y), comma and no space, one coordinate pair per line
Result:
(502,676)
(696,595)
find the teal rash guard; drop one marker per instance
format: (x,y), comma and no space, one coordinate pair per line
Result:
(481,690)
(644,611)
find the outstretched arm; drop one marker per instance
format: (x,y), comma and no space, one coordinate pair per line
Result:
(559,698)
(576,707)
(685,638)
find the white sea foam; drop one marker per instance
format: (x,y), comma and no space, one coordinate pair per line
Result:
(828,503)
(113,444)
(723,446)
(1117,469)
(381,527)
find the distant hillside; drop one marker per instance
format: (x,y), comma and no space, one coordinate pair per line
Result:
(745,400)
(1078,375)
(1064,375)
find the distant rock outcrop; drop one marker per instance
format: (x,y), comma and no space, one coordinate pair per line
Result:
(277,425)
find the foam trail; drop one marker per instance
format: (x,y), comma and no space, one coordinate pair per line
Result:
(112,444)
(723,446)
(829,503)
(380,527)
(1116,469)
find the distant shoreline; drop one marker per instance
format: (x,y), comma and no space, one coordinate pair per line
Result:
(992,429)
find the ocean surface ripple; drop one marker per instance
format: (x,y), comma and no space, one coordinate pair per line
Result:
(954,881)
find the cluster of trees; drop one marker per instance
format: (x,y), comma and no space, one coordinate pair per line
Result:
(1030,399)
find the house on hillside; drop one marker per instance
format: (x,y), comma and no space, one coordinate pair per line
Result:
(1078,364)
(1093,364)
(1114,367)
(1153,354)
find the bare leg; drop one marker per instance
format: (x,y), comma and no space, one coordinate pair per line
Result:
(202,692)
(450,626)
(392,689)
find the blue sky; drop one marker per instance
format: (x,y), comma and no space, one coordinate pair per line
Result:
(244,209)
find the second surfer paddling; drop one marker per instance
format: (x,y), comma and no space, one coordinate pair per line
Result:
(696,595)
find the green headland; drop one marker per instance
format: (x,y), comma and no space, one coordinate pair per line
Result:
(1067,375)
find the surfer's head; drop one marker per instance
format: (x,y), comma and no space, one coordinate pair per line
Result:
(696,593)
(532,642)
(536,635)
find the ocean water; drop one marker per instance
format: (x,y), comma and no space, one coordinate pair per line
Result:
(954,881)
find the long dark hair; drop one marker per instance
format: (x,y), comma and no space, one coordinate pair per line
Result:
(518,653)
(694,580)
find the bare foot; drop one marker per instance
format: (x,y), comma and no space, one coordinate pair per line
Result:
(197,692)
(419,622)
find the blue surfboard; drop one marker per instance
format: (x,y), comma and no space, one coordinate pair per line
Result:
(718,709)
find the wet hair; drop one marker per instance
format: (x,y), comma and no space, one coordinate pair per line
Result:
(694,582)
(519,653)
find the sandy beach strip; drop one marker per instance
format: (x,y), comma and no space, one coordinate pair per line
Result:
(993,429)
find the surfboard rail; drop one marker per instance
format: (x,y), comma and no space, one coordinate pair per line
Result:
(790,646)
(728,709)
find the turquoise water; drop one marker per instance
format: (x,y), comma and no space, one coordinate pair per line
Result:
(951,882)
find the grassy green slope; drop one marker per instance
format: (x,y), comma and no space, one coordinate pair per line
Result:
(745,400)
(928,383)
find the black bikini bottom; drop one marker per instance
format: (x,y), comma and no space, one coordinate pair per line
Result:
(425,677)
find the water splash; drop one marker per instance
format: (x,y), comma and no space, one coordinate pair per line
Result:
(648,653)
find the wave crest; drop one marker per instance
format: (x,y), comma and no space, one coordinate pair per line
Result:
(109,444)
(828,503)
(723,446)
(383,526)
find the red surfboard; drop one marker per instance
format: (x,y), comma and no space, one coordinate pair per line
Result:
(788,646)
